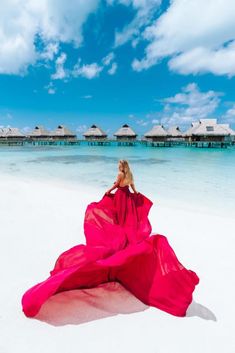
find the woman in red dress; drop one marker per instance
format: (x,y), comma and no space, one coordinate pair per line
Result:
(120,247)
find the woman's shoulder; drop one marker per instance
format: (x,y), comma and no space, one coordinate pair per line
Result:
(120,174)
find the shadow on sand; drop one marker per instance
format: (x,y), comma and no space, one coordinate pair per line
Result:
(76,307)
(196,309)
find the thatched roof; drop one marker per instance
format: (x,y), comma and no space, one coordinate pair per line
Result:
(174,131)
(95,131)
(157,130)
(209,127)
(208,122)
(11,132)
(228,128)
(39,131)
(125,131)
(61,131)
(1,132)
(192,128)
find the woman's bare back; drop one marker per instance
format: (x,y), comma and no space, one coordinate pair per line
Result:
(121,178)
(122,181)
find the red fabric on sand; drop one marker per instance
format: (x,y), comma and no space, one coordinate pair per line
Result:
(120,247)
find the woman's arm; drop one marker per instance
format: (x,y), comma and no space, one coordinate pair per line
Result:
(133,188)
(115,185)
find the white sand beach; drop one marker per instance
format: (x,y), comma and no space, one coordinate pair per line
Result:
(39,220)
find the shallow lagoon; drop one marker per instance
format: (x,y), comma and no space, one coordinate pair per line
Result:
(201,179)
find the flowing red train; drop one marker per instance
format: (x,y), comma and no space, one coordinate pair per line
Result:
(119,247)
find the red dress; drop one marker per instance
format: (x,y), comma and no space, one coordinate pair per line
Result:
(119,247)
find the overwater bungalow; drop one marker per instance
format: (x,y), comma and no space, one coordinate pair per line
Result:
(231,132)
(125,133)
(175,134)
(208,133)
(62,133)
(189,132)
(3,131)
(11,135)
(39,133)
(95,133)
(157,134)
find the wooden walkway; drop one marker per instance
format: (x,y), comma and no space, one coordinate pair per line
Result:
(109,142)
(208,144)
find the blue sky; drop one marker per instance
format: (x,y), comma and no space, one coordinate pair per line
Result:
(111,62)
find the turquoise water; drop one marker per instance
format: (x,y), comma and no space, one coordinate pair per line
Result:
(197,178)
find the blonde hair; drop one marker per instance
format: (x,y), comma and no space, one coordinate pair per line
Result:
(128,176)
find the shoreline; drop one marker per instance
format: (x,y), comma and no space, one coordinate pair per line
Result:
(97,192)
(47,200)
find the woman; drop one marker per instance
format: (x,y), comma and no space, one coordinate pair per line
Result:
(124,177)
(119,247)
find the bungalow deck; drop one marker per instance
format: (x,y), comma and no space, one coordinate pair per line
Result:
(108,142)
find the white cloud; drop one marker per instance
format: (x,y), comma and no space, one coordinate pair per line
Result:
(87,96)
(26,129)
(145,11)
(142,122)
(60,71)
(197,36)
(229,116)
(189,105)
(63,20)
(218,62)
(93,70)
(87,70)
(113,69)
(50,50)
(17,30)
(50,88)
(108,59)
(53,20)
(81,128)
(155,121)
